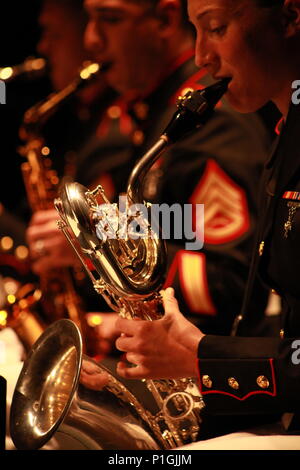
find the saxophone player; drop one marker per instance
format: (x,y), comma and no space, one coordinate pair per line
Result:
(62,25)
(245,375)
(61,42)
(150,46)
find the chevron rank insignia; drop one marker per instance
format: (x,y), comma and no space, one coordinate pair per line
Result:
(225,206)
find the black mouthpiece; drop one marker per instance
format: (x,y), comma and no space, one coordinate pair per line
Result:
(194,109)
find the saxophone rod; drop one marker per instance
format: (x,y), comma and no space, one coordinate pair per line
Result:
(134,188)
(40,112)
(32,67)
(194,110)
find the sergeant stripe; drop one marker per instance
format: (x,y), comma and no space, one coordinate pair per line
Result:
(191,268)
(226,208)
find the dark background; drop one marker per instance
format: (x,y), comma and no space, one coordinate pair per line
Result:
(19,34)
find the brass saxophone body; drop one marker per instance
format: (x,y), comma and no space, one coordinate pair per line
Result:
(129,273)
(55,296)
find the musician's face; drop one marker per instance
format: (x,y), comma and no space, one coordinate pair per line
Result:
(125,34)
(61,42)
(240,40)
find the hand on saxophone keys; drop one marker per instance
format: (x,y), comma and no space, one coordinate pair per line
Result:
(92,376)
(47,245)
(39,249)
(164,348)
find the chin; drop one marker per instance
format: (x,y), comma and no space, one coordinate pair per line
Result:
(113,80)
(246,105)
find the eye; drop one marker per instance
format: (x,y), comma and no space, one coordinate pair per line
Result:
(109,17)
(219,30)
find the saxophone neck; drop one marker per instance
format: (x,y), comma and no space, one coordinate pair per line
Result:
(36,116)
(31,68)
(193,111)
(137,176)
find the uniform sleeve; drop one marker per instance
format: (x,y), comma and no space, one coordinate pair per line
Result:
(249,375)
(219,166)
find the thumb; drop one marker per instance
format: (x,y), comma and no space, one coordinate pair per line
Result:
(169,301)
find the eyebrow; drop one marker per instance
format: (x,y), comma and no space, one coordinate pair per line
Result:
(234,10)
(112,9)
(90,6)
(206,12)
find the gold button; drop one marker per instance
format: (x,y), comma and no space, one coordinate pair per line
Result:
(233,383)
(114,112)
(262,382)
(281,334)
(261,248)
(138,138)
(141,110)
(207,382)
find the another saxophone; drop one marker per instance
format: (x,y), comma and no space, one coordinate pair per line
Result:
(55,297)
(32,68)
(129,273)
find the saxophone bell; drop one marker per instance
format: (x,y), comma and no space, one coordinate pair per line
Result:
(50,398)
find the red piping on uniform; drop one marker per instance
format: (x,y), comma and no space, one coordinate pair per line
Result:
(258,392)
(278,126)
(172,273)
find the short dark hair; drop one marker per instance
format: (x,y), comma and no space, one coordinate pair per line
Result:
(269,3)
(73,5)
(70,3)
(76,8)
(184,11)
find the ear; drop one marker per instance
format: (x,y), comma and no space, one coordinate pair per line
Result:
(291,13)
(168,13)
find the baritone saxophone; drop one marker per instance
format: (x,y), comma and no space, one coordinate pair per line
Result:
(129,273)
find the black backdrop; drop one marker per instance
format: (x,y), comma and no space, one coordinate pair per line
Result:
(19,33)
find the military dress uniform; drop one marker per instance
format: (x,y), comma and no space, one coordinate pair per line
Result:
(242,375)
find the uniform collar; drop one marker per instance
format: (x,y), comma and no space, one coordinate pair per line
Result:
(286,155)
(138,108)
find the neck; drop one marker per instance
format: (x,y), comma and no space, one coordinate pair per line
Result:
(166,66)
(283,98)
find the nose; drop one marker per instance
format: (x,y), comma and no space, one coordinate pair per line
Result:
(205,54)
(43,46)
(93,38)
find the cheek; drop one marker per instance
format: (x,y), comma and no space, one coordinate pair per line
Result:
(123,44)
(261,48)
(241,58)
